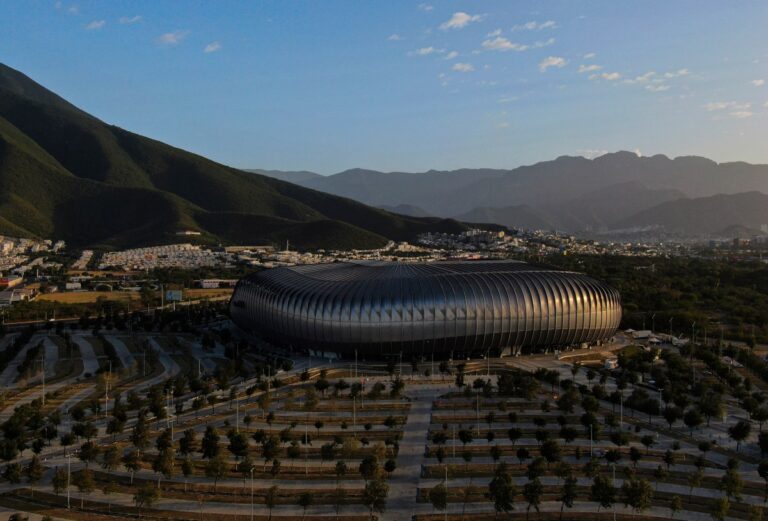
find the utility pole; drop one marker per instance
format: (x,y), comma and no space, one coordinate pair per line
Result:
(252,491)
(69,475)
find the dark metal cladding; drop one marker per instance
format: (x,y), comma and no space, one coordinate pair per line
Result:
(438,307)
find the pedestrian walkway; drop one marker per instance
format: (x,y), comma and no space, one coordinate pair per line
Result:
(404,482)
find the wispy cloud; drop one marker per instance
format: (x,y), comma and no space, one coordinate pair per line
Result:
(741,114)
(172,38)
(451,55)
(503,44)
(607,76)
(677,73)
(589,56)
(128,20)
(589,68)
(552,61)
(757,83)
(425,51)
(212,47)
(657,87)
(95,25)
(727,105)
(426,7)
(463,67)
(459,20)
(394,38)
(535,26)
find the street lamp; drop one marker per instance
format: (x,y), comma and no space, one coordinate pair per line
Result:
(252,468)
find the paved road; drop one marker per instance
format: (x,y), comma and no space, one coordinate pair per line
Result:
(90,362)
(51,356)
(123,353)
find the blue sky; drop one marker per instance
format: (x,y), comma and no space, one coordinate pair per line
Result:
(395,85)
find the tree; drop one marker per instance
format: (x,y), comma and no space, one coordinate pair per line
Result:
(34,472)
(89,451)
(602,492)
(739,432)
(675,505)
(762,469)
(438,496)
(210,444)
(146,496)
(720,508)
(669,459)
(187,469)
(375,496)
(111,458)
(187,442)
(270,499)
(648,441)
(692,419)
(59,481)
(305,501)
(532,492)
(85,484)
(501,489)
(132,463)
(369,467)
(12,473)
(694,480)
(637,494)
(732,484)
(568,493)
(551,451)
(216,468)
(163,465)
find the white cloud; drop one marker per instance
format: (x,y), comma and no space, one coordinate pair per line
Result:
(591,153)
(127,20)
(460,19)
(95,25)
(589,56)
(451,55)
(394,38)
(545,43)
(607,76)
(552,61)
(502,44)
(503,124)
(765,104)
(757,83)
(172,38)
(535,26)
(212,47)
(463,67)
(723,105)
(589,68)
(643,78)
(657,87)
(493,34)
(675,74)
(508,99)
(741,114)
(426,7)
(424,51)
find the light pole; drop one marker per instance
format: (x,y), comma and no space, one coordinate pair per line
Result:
(69,474)
(252,468)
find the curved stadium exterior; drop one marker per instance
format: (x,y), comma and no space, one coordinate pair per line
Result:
(421,309)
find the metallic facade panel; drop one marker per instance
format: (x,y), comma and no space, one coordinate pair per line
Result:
(440,307)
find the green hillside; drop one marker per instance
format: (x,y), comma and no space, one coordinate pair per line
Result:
(66,174)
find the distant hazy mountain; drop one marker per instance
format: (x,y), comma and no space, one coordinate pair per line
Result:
(66,174)
(406,209)
(706,216)
(568,193)
(520,216)
(298,177)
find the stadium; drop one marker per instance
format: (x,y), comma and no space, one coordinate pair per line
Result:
(439,308)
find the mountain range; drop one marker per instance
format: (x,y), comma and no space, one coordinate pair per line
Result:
(65,174)
(690,195)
